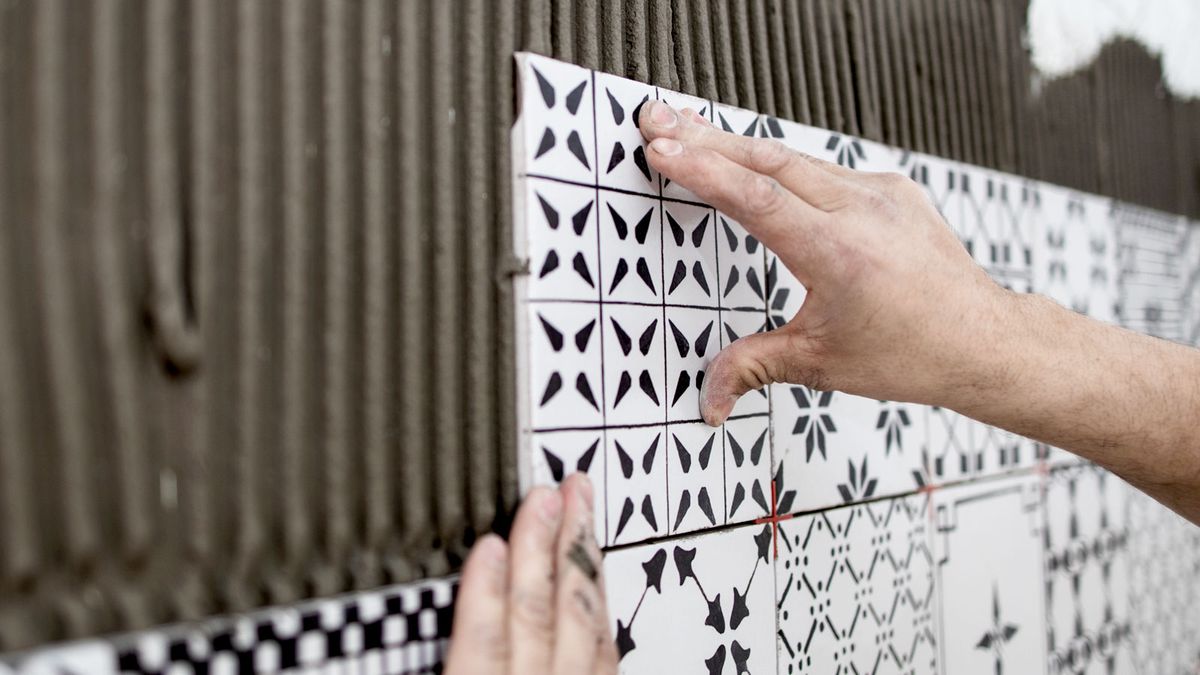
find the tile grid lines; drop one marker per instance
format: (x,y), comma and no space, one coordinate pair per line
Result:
(662,285)
(600,307)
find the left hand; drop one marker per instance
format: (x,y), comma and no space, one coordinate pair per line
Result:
(536,605)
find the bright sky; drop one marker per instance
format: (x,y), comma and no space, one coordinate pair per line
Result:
(1066,35)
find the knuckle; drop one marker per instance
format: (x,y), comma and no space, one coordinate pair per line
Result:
(768,155)
(586,607)
(534,612)
(763,196)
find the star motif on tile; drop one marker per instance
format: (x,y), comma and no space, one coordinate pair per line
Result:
(814,422)
(847,149)
(641,266)
(702,457)
(557,466)
(741,455)
(618,153)
(579,221)
(645,342)
(998,635)
(685,346)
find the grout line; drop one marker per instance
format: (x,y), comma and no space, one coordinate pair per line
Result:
(623,191)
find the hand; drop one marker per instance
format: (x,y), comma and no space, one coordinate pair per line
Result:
(896,308)
(536,606)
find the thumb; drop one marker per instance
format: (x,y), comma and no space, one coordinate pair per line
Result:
(752,363)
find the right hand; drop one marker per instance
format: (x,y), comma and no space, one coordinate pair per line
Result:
(896,308)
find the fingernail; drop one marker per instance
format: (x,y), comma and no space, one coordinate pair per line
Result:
(552,505)
(662,115)
(666,146)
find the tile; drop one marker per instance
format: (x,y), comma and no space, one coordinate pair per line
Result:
(630,248)
(695,477)
(693,339)
(622,148)
(1103,268)
(634,389)
(561,241)
(785,294)
(1063,250)
(1191,284)
(556,129)
(564,364)
(833,448)
(636,483)
(740,266)
(695,605)
(1011,207)
(558,454)
(1150,270)
(680,102)
(854,590)
(1087,571)
(690,255)
(747,468)
(736,325)
(989,577)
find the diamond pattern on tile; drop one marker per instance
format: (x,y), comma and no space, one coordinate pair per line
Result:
(565,364)
(690,255)
(1087,571)
(747,468)
(622,149)
(558,454)
(562,241)
(693,339)
(556,118)
(695,605)
(636,483)
(630,248)
(695,477)
(989,576)
(854,589)
(634,389)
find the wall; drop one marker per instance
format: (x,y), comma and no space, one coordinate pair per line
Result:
(254,336)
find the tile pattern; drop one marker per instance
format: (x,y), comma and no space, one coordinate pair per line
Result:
(633,288)
(854,588)
(1087,571)
(402,630)
(695,605)
(899,538)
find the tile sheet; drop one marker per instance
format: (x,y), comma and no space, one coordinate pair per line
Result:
(896,537)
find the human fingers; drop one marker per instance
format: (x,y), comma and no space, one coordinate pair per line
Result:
(779,219)
(580,612)
(479,642)
(531,581)
(823,184)
(753,362)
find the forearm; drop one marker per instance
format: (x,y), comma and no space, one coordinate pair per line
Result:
(1126,401)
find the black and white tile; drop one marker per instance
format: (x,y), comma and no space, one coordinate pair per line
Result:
(701,604)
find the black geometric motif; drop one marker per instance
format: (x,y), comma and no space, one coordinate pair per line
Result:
(627,467)
(999,634)
(555,382)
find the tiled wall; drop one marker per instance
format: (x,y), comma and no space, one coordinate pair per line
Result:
(818,531)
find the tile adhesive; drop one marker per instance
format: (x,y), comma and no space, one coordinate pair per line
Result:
(255,336)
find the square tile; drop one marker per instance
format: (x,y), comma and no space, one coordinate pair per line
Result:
(690,255)
(1087,571)
(693,339)
(1103,268)
(630,248)
(695,605)
(740,266)
(1011,207)
(680,102)
(556,134)
(636,483)
(834,448)
(561,241)
(558,454)
(695,477)
(634,388)
(1062,250)
(747,468)
(989,576)
(622,149)
(854,589)
(564,364)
